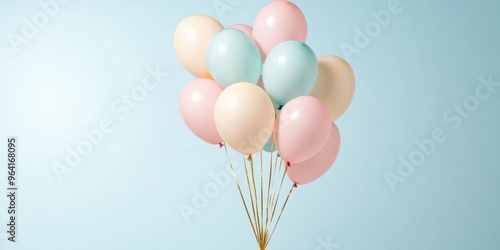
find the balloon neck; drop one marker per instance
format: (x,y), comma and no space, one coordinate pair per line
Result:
(288,164)
(249,158)
(221,145)
(280,107)
(279,155)
(295,185)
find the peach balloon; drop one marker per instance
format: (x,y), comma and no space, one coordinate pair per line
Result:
(244,117)
(191,39)
(335,85)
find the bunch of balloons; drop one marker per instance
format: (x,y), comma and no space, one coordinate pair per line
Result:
(263,88)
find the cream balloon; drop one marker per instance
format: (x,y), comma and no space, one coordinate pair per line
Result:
(191,39)
(244,116)
(335,85)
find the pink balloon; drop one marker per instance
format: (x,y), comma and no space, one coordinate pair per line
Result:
(277,22)
(261,83)
(243,27)
(309,170)
(302,129)
(197,105)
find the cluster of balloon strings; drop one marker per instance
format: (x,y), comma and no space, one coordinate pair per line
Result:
(263,195)
(262,89)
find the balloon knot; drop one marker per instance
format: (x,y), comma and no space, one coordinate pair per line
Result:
(279,155)
(221,145)
(249,158)
(295,185)
(288,164)
(280,107)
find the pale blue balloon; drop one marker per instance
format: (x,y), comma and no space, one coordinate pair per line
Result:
(233,57)
(270,146)
(290,70)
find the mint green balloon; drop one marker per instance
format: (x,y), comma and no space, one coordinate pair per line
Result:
(290,70)
(233,57)
(270,146)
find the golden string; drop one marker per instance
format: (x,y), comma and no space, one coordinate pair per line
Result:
(275,203)
(260,232)
(269,185)
(251,199)
(261,193)
(282,209)
(239,189)
(262,216)
(273,195)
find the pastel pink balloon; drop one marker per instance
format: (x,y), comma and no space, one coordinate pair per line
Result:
(197,105)
(302,128)
(277,22)
(249,32)
(261,83)
(243,27)
(309,170)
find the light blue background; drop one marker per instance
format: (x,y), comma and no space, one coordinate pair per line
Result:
(126,193)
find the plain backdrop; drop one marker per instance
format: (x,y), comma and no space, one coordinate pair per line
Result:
(64,79)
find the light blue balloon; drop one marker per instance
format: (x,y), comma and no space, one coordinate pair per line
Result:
(269,146)
(233,57)
(290,70)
